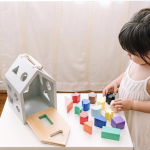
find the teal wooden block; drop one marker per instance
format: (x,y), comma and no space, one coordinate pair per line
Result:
(110,133)
(78,109)
(96,110)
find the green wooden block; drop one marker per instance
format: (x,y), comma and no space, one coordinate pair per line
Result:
(78,109)
(110,133)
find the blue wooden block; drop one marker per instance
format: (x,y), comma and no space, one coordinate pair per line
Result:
(100,121)
(86,104)
(96,110)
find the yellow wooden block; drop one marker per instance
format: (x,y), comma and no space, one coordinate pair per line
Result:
(101,101)
(109,114)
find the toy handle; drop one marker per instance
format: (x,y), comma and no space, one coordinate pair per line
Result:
(33,61)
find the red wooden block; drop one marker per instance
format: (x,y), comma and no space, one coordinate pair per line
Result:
(83,117)
(76,97)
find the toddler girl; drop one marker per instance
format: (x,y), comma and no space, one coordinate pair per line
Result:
(134,84)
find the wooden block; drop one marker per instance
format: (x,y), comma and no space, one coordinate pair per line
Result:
(96,110)
(88,126)
(113,108)
(110,97)
(83,117)
(101,101)
(100,121)
(45,134)
(86,104)
(76,97)
(109,114)
(92,97)
(78,109)
(69,103)
(118,122)
(110,133)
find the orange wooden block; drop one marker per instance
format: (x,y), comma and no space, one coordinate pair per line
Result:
(69,103)
(88,126)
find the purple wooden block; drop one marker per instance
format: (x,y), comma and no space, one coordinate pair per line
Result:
(118,122)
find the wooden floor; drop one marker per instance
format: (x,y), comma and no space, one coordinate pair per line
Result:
(3,97)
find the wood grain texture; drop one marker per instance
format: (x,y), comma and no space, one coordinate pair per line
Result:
(3,97)
(45,134)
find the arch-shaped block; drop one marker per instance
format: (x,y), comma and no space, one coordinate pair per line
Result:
(86,104)
(101,101)
(78,109)
(75,97)
(118,122)
(92,97)
(109,114)
(100,121)
(83,117)
(96,110)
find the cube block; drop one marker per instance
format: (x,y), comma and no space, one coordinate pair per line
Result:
(118,122)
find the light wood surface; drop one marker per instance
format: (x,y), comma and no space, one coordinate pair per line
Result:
(45,134)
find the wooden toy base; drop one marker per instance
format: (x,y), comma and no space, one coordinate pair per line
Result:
(58,125)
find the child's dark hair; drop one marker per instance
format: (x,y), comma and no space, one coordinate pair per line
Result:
(134,36)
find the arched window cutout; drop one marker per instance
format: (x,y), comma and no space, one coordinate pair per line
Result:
(48,85)
(45,94)
(41,79)
(15,70)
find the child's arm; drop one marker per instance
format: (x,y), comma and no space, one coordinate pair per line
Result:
(143,106)
(128,104)
(113,85)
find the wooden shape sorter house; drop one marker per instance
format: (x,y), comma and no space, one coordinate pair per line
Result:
(32,96)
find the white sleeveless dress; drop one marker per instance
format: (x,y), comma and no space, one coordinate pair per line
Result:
(138,122)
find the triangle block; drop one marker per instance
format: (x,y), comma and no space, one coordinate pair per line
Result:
(69,103)
(89,123)
(15,70)
(88,127)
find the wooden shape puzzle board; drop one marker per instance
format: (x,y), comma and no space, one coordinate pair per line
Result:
(45,134)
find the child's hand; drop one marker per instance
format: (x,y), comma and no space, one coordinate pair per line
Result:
(123,104)
(111,86)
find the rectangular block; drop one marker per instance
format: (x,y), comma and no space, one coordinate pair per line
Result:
(110,133)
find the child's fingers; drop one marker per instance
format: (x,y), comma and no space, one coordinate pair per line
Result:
(118,103)
(118,106)
(115,89)
(104,92)
(117,100)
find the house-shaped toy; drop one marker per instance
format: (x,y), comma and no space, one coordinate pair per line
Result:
(30,90)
